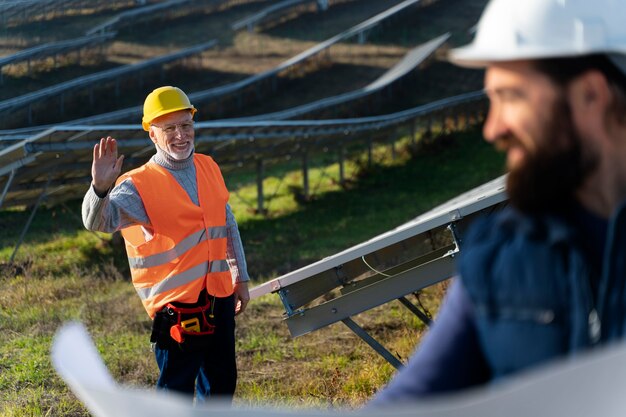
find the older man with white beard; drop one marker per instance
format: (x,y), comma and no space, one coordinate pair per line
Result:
(184,250)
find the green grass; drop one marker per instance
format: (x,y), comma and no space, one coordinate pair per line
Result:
(386,195)
(63,272)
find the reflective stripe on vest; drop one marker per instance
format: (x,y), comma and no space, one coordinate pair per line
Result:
(186,277)
(187,249)
(188,243)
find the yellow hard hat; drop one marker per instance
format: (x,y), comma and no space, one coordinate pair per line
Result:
(164,100)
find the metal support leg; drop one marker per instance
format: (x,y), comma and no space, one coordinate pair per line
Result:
(305,175)
(7,186)
(362,37)
(285,301)
(342,172)
(395,362)
(30,220)
(259,185)
(322,5)
(419,313)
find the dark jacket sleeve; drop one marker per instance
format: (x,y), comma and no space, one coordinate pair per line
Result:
(449,357)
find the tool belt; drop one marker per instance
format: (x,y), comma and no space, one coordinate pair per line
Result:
(185,327)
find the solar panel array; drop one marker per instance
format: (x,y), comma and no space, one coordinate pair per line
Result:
(254,83)
(57,162)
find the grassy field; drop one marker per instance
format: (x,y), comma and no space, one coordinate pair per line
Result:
(63,272)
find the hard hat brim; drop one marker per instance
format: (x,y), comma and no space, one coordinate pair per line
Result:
(146,123)
(471,56)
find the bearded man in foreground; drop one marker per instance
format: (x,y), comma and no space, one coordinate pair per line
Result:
(545,277)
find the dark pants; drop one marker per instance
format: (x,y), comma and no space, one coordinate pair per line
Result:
(212,370)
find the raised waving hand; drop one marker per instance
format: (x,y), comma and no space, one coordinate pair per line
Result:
(106,166)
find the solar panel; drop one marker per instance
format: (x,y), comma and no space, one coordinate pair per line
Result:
(100,78)
(214,95)
(387,267)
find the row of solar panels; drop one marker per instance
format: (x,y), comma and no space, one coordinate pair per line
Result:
(105,31)
(49,49)
(409,63)
(412,60)
(128,17)
(57,162)
(101,77)
(199,97)
(26,10)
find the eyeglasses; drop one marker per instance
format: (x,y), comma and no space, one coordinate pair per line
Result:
(185,127)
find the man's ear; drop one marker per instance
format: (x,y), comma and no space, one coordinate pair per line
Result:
(152,135)
(589,92)
(590,99)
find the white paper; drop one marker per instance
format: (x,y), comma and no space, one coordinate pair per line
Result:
(593,385)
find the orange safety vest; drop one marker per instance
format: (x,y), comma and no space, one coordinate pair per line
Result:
(187,251)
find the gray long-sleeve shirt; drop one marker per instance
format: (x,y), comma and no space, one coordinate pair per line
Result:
(122,207)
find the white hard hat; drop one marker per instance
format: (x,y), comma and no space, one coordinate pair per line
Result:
(512,30)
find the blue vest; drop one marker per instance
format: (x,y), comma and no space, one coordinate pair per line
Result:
(530,283)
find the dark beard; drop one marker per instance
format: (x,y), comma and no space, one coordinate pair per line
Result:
(546,181)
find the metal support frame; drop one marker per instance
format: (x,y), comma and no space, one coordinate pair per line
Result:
(413,308)
(305,175)
(373,343)
(283,298)
(413,132)
(355,302)
(259,185)
(7,186)
(370,296)
(361,37)
(322,5)
(342,168)
(30,220)
(393,283)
